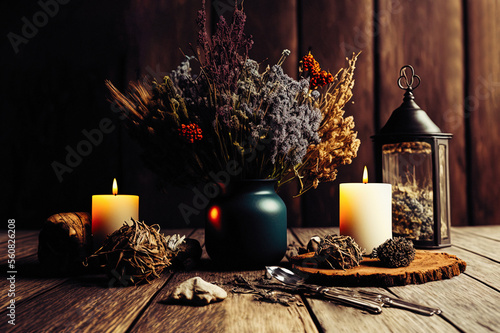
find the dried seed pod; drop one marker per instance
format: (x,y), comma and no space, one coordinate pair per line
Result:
(396,252)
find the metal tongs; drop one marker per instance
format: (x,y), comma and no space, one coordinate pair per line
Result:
(369,301)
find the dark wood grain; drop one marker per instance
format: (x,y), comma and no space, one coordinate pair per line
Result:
(30,282)
(272,36)
(337,318)
(478,267)
(465,302)
(485,246)
(491,232)
(237,313)
(26,266)
(25,246)
(92,306)
(333,30)
(4,236)
(481,108)
(161,33)
(476,289)
(96,300)
(420,35)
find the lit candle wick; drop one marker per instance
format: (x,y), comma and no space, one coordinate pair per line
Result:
(115,187)
(365,175)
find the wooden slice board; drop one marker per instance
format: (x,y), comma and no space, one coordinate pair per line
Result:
(427,266)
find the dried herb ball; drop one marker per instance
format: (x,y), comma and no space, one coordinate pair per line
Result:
(136,253)
(338,252)
(396,252)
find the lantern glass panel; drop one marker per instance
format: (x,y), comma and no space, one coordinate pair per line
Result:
(443,190)
(408,167)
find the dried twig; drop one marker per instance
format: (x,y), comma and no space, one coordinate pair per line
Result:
(266,292)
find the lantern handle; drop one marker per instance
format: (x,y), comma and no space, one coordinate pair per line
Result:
(408,81)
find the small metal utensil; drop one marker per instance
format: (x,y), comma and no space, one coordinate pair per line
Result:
(382,300)
(388,301)
(288,277)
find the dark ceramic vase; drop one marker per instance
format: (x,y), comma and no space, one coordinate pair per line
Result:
(246,226)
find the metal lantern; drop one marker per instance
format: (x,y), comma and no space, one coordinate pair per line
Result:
(412,155)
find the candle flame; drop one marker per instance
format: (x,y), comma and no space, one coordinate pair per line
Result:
(115,187)
(365,175)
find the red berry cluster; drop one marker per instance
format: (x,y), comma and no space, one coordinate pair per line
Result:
(319,78)
(191,132)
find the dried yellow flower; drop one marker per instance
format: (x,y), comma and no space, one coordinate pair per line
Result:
(339,143)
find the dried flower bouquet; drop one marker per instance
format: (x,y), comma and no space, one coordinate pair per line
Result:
(265,124)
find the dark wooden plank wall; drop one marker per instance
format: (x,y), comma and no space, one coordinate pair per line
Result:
(482,103)
(52,89)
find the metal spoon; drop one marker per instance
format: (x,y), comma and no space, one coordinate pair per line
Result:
(290,278)
(382,300)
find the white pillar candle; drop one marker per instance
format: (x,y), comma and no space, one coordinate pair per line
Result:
(366,212)
(110,211)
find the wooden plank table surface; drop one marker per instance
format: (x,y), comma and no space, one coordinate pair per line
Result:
(87,303)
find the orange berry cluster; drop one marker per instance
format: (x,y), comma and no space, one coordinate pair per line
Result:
(191,132)
(319,78)
(310,64)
